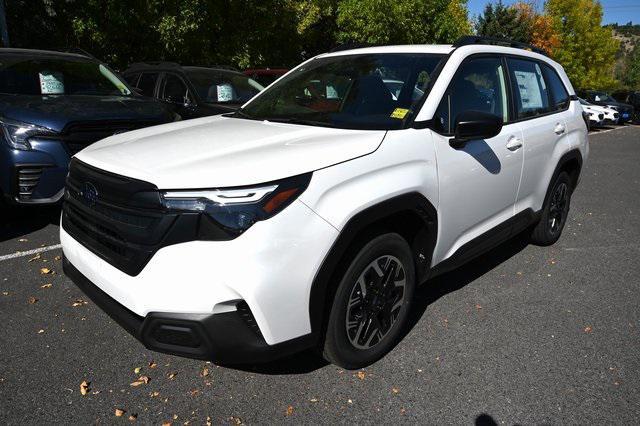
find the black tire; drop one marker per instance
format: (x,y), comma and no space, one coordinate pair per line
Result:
(384,306)
(554,213)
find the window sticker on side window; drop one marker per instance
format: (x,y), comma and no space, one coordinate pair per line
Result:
(529,90)
(224,92)
(51,83)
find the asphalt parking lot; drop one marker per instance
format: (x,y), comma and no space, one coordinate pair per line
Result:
(522,335)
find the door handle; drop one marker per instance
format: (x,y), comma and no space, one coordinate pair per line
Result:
(514,143)
(559,129)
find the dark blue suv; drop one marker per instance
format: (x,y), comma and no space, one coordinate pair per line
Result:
(52,105)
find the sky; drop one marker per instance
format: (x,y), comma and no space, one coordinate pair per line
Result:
(620,11)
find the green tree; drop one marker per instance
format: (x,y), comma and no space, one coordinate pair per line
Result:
(400,22)
(631,77)
(587,50)
(501,21)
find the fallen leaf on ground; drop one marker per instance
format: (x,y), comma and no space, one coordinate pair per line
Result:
(154,394)
(137,370)
(36,257)
(32,300)
(588,329)
(5,293)
(119,412)
(171,376)
(166,424)
(45,271)
(23,240)
(361,375)
(478,306)
(194,392)
(208,421)
(84,388)
(79,302)
(48,285)
(205,372)
(57,258)
(142,380)
(235,420)
(395,390)
(133,417)
(313,400)
(152,364)
(40,331)
(289,410)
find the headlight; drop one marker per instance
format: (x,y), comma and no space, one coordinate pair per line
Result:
(236,209)
(17,134)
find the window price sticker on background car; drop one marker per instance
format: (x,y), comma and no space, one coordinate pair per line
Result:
(224,92)
(51,83)
(399,113)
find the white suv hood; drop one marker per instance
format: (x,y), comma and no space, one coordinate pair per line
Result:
(220,151)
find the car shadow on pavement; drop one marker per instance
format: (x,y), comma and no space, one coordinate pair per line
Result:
(310,360)
(16,222)
(441,285)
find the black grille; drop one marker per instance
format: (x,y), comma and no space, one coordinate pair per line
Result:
(122,220)
(27,179)
(78,135)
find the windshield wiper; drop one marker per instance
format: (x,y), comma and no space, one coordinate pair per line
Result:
(293,120)
(242,114)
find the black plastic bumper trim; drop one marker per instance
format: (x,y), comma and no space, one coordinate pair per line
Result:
(224,338)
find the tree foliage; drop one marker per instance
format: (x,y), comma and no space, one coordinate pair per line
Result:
(587,50)
(502,21)
(398,22)
(244,33)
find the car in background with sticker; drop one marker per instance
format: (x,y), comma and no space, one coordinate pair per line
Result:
(193,91)
(601,98)
(599,115)
(52,105)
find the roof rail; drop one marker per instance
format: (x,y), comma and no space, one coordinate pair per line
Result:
(470,40)
(224,67)
(154,64)
(75,50)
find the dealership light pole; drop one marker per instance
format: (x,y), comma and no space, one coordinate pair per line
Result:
(4,32)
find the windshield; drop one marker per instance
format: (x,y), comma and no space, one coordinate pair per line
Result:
(222,87)
(21,75)
(375,91)
(583,102)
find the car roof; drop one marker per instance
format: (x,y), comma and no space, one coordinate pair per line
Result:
(42,53)
(172,66)
(442,49)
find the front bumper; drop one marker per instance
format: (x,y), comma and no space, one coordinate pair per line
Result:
(36,176)
(225,338)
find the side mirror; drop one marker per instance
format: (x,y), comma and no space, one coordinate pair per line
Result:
(473,125)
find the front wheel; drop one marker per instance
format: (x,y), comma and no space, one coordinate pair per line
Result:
(371,304)
(555,212)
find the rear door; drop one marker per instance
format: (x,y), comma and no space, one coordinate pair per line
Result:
(479,181)
(541,105)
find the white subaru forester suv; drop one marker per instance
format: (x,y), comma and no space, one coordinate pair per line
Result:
(307,218)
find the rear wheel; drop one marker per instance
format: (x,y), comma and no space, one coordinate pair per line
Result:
(555,212)
(371,304)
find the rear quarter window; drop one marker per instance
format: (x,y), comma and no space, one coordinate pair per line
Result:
(559,95)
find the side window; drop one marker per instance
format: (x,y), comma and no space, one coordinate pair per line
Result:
(174,90)
(529,88)
(479,85)
(132,79)
(147,83)
(559,95)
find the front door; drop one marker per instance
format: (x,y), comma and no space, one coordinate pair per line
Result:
(479,181)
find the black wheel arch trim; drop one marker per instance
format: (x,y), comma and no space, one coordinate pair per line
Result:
(572,155)
(323,287)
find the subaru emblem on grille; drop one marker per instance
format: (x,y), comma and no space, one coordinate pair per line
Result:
(89,194)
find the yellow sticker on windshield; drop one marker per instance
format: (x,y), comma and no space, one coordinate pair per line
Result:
(399,113)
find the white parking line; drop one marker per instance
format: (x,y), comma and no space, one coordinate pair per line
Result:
(30,252)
